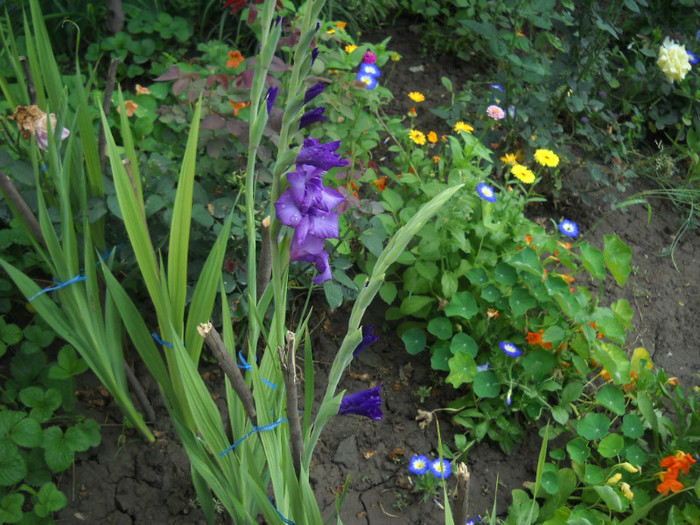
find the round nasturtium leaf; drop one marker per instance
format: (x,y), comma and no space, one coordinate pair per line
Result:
(550,482)
(593,475)
(462,342)
(612,398)
(611,445)
(486,384)
(578,450)
(440,327)
(414,340)
(635,455)
(593,426)
(632,426)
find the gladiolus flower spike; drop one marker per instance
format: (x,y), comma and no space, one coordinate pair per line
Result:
(363,403)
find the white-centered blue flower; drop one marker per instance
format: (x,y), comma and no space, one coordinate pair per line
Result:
(419,465)
(568,228)
(370,69)
(486,192)
(510,349)
(368,80)
(441,469)
(692,57)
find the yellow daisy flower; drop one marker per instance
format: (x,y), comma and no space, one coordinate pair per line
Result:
(523,173)
(432,137)
(416,96)
(350,48)
(547,158)
(461,126)
(417,136)
(509,158)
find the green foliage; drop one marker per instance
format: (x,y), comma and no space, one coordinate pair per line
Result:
(39,434)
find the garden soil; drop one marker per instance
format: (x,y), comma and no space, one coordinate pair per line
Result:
(126,481)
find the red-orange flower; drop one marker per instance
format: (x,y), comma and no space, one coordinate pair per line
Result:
(535,338)
(380,183)
(237,106)
(234,59)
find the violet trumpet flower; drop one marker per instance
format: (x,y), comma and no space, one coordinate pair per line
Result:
(363,403)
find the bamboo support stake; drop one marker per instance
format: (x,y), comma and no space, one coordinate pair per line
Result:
(265,263)
(228,365)
(460,500)
(288,363)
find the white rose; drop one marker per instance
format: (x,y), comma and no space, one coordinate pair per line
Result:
(673,61)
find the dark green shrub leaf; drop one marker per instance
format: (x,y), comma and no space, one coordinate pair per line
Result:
(39,335)
(612,498)
(593,475)
(13,467)
(414,340)
(486,384)
(560,415)
(614,360)
(11,507)
(593,426)
(388,292)
(334,294)
(57,453)
(27,433)
(42,402)
(69,364)
(413,304)
(439,360)
(505,274)
(50,499)
(571,393)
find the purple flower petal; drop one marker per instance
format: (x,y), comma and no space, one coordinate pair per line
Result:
(368,338)
(287,210)
(321,156)
(328,198)
(363,403)
(270,97)
(310,117)
(324,224)
(313,92)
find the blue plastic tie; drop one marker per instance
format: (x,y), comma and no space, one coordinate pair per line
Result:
(160,341)
(271,385)
(288,522)
(245,365)
(44,167)
(255,429)
(59,285)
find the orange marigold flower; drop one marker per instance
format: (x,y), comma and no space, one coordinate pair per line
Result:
(461,126)
(436,159)
(432,137)
(380,183)
(140,90)
(234,59)
(509,158)
(416,96)
(341,25)
(350,48)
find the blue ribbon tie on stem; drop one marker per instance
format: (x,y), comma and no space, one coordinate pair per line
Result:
(59,285)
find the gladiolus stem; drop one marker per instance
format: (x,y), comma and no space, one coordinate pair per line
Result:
(288,364)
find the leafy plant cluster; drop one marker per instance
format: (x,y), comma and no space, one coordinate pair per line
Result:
(576,70)
(39,431)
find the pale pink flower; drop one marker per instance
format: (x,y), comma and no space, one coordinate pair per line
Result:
(495,112)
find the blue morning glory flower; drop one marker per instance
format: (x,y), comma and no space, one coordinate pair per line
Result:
(568,228)
(370,69)
(510,349)
(497,86)
(419,465)
(692,57)
(486,192)
(441,469)
(482,368)
(368,80)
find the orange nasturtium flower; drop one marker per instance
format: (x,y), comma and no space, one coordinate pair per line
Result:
(380,183)
(140,90)
(678,462)
(436,159)
(341,25)
(130,106)
(234,59)
(535,338)
(237,106)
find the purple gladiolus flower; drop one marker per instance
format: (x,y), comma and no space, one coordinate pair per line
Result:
(368,338)
(270,98)
(321,156)
(363,403)
(315,115)
(313,92)
(314,55)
